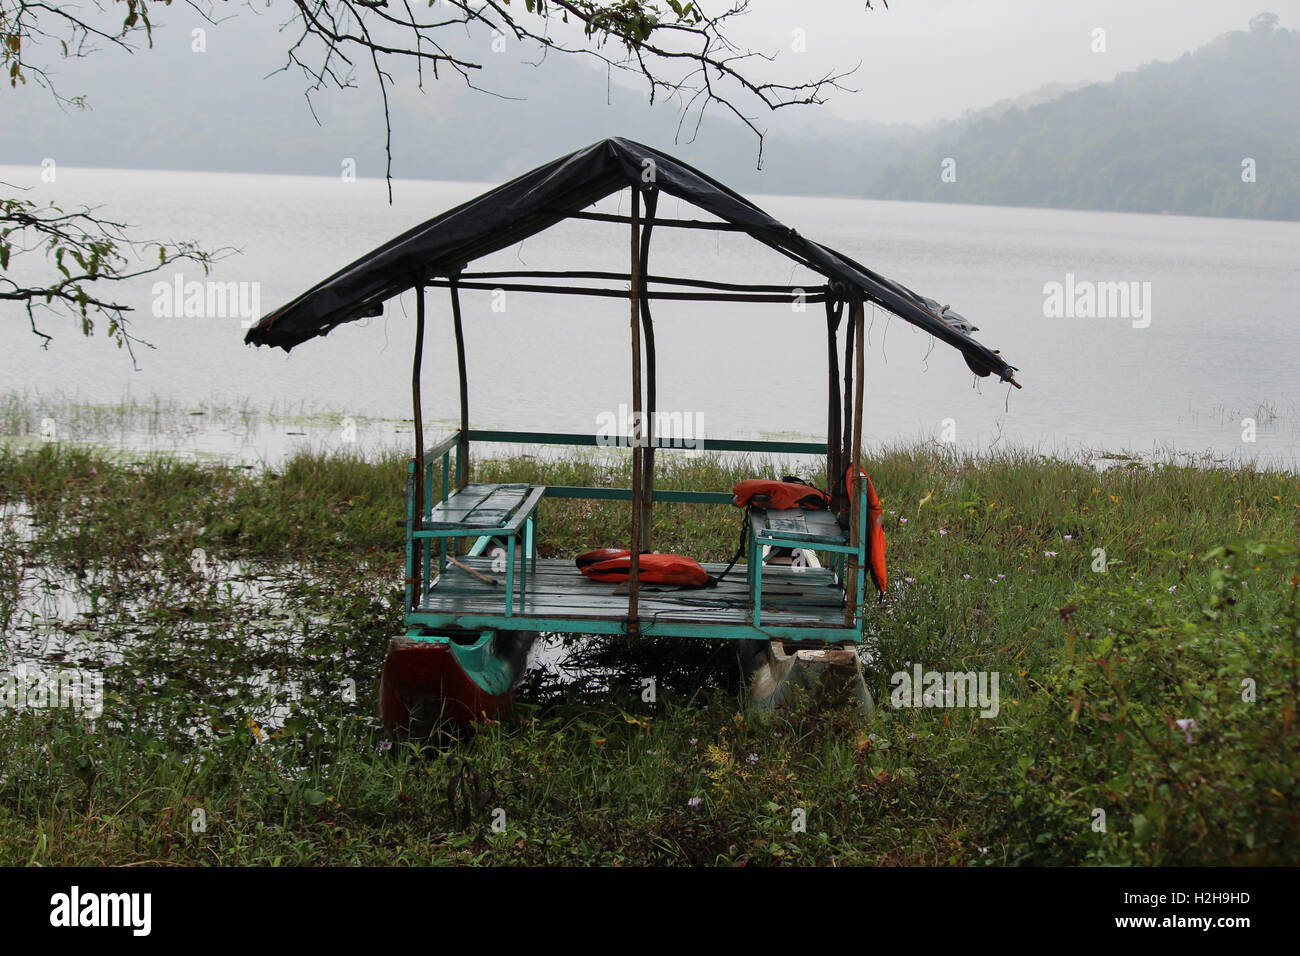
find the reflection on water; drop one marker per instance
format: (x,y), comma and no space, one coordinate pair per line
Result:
(198,648)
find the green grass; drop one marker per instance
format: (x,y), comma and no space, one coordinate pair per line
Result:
(239,703)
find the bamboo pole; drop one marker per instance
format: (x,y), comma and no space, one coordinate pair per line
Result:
(634,290)
(846,452)
(834,313)
(781,296)
(417,518)
(462,445)
(855,496)
(647,326)
(790,290)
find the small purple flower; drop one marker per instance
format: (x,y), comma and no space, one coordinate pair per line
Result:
(942,532)
(910,580)
(965,577)
(1069,537)
(1187,725)
(1051,554)
(694,741)
(902,521)
(1173,588)
(752,758)
(694,803)
(385,745)
(1000,576)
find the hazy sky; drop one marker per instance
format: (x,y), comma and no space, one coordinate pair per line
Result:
(921,60)
(924,60)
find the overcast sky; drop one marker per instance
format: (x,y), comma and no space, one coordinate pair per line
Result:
(921,61)
(924,60)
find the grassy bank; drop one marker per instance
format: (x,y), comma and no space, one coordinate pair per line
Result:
(1148,694)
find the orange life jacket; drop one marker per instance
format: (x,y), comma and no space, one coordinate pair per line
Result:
(615,564)
(778,495)
(875,529)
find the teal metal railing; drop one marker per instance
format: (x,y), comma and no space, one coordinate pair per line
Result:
(439,456)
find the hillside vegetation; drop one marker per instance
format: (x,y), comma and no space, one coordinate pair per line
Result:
(1167,138)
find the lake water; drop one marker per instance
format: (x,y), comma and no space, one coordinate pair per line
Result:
(1222,344)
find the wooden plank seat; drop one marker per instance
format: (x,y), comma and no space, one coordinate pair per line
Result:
(810,597)
(796,524)
(506,511)
(790,528)
(483,507)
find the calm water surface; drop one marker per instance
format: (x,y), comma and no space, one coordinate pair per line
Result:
(1223,342)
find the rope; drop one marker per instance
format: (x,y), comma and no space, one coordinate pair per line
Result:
(744,536)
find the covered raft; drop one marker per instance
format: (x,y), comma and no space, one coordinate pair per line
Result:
(465,639)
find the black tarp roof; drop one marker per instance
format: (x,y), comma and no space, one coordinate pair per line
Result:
(539,199)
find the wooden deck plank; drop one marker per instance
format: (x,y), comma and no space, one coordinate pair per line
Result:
(815,584)
(648,611)
(700,597)
(565,568)
(791,596)
(611,601)
(810,587)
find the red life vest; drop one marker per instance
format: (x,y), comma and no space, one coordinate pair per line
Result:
(875,529)
(778,495)
(615,564)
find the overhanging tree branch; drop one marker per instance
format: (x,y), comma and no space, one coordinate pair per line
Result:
(86,252)
(641,37)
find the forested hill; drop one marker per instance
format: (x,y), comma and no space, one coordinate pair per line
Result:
(1169,137)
